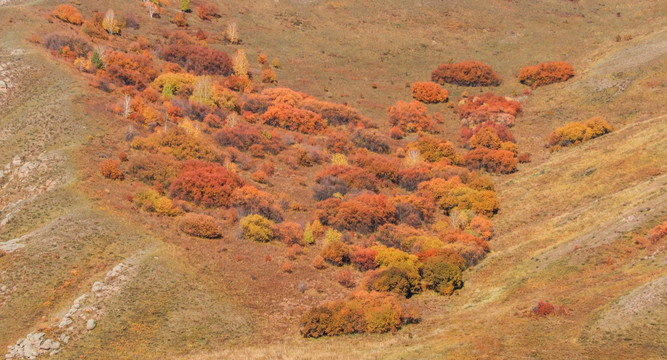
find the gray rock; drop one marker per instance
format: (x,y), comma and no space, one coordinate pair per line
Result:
(64,338)
(98,286)
(66,321)
(90,324)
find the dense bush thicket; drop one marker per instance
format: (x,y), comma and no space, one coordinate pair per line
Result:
(574,133)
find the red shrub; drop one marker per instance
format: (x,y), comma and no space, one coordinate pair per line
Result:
(429,92)
(335,114)
(364,258)
(208,184)
(291,118)
(363,213)
(495,161)
(414,209)
(383,167)
(339,143)
(353,176)
(546,73)
(111,169)
(130,69)
(411,117)
(200,60)
(658,233)
(544,308)
(411,177)
(200,225)
(206,11)
(345,278)
(488,107)
(467,73)
(243,136)
(290,233)
(68,14)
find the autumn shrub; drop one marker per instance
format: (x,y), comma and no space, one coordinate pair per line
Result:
(658,233)
(452,193)
(411,117)
(291,118)
(207,184)
(501,131)
(207,11)
(392,279)
(68,14)
(546,73)
(200,225)
(429,92)
(336,253)
(467,73)
(339,143)
(178,142)
(289,233)
(414,209)
(410,177)
(257,228)
(268,76)
(334,114)
(179,20)
(175,83)
(543,308)
(383,167)
(469,247)
(242,136)
(494,161)
(408,265)
(150,168)
(250,200)
(488,107)
(435,150)
(393,235)
(76,44)
(441,275)
(482,226)
(318,262)
(197,59)
(354,177)
(370,139)
(574,133)
(362,312)
(363,258)
(363,213)
(130,69)
(110,169)
(345,278)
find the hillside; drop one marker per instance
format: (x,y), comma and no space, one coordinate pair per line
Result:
(110,278)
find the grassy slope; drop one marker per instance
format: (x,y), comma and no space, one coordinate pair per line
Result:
(559,201)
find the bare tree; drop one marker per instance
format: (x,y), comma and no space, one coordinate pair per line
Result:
(151,9)
(126,106)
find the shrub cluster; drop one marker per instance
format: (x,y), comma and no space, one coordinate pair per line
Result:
(200,225)
(429,92)
(546,73)
(574,133)
(467,73)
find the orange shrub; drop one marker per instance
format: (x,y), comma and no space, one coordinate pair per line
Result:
(291,118)
(363,213)
(411,117)
(429,92)
(289,233)
(494,161)
(577,132)
(111,169)
(336,252)
(200,60)
(200,225)
(68,14)
(318,262)
(179,20)
(204,183)
(467,73)
(207,11)
(362,312)
(546,73)
(364,258)
(269,76)
(658,233)
(130,69)
(436,150)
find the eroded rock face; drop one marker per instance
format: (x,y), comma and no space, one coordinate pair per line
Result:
(81,317)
